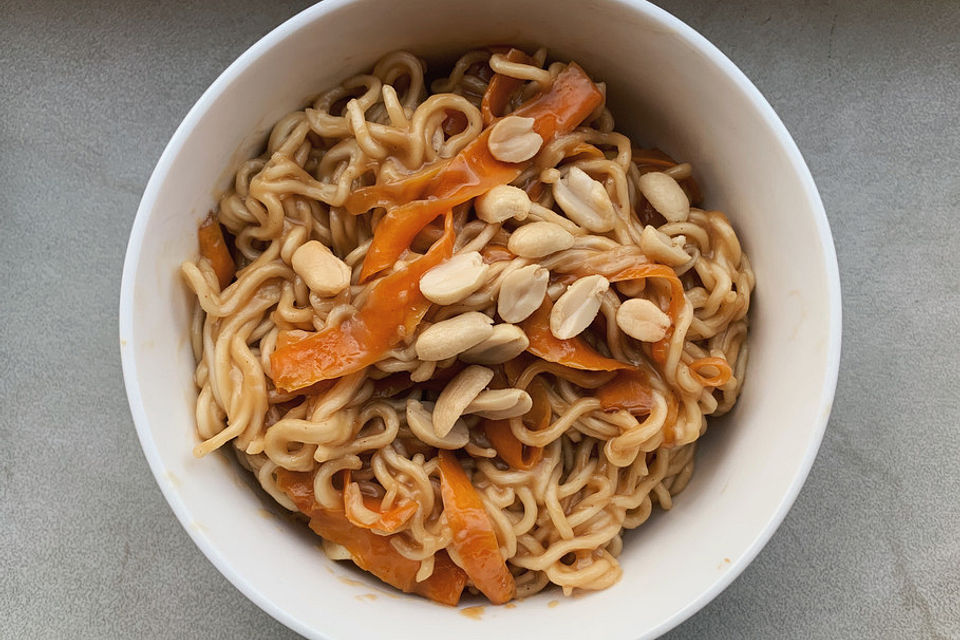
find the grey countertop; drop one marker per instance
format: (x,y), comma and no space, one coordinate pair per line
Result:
(91,92)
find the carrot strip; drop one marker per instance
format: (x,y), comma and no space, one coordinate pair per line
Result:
(389,521)
(512,451)
(722,377)
(653,270)
(500,88)
(372,552)
(214,249)
(393,309)
(393,194)
(629,390)
(286,337)
(475,171)
(474,541)
(573,352)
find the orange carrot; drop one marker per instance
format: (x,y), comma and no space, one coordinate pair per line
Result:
(629,390)
(573,352)
(214,248)
(372,552)
(474,541)
(500,88)
(475,171)
(389,521)
(653,270)
(509,448)
(393,309)
(393,194)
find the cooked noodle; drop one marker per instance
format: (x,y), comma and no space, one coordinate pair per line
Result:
(607,446)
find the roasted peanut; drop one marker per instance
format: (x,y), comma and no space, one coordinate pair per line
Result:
(578,306)
(539,239)
(643,320)
(453,336)
(457,396)
(585,201)
(455,279)
(505,343)
(513,139)
(665,195)
(324,273)
(521,292)
(502,203)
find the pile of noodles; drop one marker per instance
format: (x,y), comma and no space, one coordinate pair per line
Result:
(601,470)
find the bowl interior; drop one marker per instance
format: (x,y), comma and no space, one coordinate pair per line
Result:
(667,87)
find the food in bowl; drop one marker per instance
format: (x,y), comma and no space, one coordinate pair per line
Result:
(472,334)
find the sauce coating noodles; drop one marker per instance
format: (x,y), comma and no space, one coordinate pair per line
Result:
(466,328)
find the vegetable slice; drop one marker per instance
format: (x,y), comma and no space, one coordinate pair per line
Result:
(675,306)
(393,309)
(396,193)
(629,390)
(214,248)
(474,171)
(474,541)
(500,88)
(512,451)
(372,552)
(573,352)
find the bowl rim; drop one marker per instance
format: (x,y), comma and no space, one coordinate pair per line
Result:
(318,11)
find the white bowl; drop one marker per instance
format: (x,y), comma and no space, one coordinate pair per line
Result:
(668,87)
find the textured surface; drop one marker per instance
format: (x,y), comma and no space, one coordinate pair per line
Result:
(90,94)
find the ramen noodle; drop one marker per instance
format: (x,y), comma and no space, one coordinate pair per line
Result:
(464,327)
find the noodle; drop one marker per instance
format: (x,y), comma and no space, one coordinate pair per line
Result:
(355,397)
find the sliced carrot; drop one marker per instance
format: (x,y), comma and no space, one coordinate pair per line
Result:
(670,423)
(214,248)
(372,552)
(629,390)
(722,377)
(573,352)
(393,309)
(396,193)
(509,448)
(291,336)
(474,171)
(500,88)
(390,520)
(675,306)
(474,541)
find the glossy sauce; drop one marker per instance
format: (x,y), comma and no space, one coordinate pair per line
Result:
(474,613)
(573,352)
